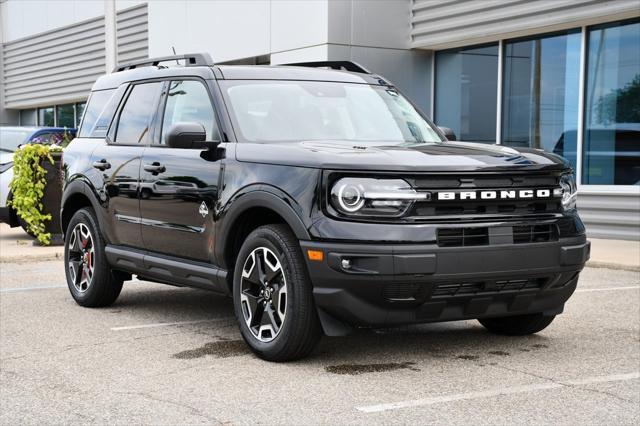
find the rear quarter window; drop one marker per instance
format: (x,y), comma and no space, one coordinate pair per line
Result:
(94,118)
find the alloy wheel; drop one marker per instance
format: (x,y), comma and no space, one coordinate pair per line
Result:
(81,261)
(263,294)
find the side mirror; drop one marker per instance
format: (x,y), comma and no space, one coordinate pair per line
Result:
(448,133)
(187,135)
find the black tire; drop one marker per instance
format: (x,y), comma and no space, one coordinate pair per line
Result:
(520,325)
(299,330)
(100,288)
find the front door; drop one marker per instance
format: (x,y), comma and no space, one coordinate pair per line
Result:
(118,163)
(179,187)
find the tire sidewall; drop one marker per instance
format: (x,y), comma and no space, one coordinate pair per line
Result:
(264,237)
(85,217)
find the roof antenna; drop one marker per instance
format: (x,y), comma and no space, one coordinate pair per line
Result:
(174,54)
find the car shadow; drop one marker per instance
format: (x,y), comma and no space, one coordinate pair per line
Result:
(362,351)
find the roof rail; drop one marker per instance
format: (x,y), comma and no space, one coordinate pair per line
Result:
(335,65)
(191,60)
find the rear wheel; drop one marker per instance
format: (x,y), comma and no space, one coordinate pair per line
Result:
(519,325)
(272,296)
(89,278)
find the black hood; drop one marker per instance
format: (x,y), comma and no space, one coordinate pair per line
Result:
(442,156)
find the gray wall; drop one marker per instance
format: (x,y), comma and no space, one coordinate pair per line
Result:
(376,34)
(61,65)
(438,24)
(610,215)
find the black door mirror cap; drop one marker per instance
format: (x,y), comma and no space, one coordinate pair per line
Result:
(448,133)
(189,135)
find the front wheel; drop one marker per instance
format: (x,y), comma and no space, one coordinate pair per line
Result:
(272,296)
(89,278)
(519,325)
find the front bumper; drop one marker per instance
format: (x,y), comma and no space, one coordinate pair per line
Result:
(382,285)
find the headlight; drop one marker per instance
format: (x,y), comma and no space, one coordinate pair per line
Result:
(6,166)
(568,191)
(368,197)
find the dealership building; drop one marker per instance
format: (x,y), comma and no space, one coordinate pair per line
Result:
(560,75)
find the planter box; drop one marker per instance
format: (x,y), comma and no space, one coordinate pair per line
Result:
(53,194)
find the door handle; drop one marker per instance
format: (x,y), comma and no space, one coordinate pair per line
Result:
(102,165)
(154,168)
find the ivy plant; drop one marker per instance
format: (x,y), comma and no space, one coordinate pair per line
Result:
(28,184)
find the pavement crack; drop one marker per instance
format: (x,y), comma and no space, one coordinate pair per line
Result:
(192,409)
(565,384)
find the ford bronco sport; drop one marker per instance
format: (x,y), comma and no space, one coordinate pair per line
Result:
(319,199)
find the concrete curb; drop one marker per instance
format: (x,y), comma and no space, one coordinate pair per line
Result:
(31,258)
(609,265)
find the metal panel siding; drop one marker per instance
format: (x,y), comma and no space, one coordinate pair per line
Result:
(61,65)
(610,215)
(439,24)
(133,34)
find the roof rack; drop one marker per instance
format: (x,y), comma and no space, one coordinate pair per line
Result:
(335,65)
(191,60)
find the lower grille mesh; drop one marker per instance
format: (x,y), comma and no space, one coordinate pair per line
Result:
(472,288)
(482,236)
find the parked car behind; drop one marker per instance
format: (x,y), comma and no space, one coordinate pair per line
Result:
(11,138)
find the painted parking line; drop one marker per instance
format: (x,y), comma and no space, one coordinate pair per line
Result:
(628,287)
(40,287)
(496,392)
(167,324)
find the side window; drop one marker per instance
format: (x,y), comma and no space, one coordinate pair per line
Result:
(94,108)
(188,101)
(136,115)
(43,138)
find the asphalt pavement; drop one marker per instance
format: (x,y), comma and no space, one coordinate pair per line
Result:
(168,355)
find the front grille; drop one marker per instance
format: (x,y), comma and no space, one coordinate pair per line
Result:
(401,291)
(484,236)
(464,209)
(535,234)
(480,287)
(463,237)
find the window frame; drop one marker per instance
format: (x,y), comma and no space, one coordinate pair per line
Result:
(111,134)
(584,31)
(434,84)
(156,141)
(584,69)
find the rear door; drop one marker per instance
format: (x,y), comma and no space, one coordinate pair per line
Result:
(118,161)
(179,187)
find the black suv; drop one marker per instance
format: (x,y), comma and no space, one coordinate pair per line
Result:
(318,197)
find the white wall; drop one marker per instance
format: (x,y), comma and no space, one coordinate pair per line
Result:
(236,29)
(23,18)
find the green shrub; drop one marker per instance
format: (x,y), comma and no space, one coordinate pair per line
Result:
(28,185)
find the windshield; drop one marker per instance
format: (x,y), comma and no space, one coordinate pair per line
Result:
(283,111)
(10,139)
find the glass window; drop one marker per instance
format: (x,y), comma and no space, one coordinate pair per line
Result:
(65,115)
(612,110)
(97,102)
(135,117)
(28,117)
(466,88)
(540,94)
(188,101)
(45,117)
(79,110)
(12,138)
(320,111)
